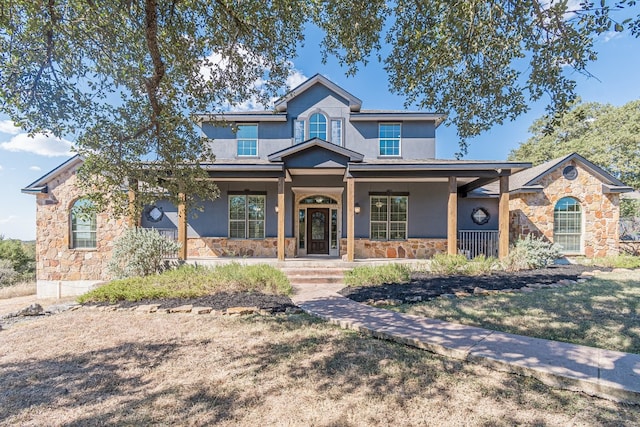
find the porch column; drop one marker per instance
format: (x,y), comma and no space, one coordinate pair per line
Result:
(133,217)
(182,226)
(503,218)
(351,219)
(452,217)
(281,239)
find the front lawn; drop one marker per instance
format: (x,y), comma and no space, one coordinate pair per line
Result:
(603,312)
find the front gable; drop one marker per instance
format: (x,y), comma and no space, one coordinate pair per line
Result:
(317,88)
(316,153)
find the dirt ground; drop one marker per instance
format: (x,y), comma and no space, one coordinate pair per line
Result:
(427,286)
(90,367)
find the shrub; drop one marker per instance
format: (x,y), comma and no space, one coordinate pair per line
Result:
(530,253)
(449,265)
(21,256)
(190,281)
(8,276)
(140,252)
(377,275)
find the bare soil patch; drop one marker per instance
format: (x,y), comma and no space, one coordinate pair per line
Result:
(90,367)
(428,286)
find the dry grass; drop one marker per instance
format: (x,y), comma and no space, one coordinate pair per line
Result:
(18,290)
(603,312)
(111,368)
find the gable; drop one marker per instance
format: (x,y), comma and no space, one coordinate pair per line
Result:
(318,84)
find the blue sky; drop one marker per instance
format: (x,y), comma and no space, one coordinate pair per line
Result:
(24,159)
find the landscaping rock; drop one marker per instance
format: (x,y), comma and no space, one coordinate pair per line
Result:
(239,311)
(147,308)
(201,310)
(293,310)
(181,309)
(462,294)
(33,310)
(416,298)
(480,291)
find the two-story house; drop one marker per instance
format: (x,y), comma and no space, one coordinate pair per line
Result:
(320,176)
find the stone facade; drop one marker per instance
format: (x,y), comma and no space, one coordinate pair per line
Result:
(203,247)
(532,213)
(61,270)
(410,248)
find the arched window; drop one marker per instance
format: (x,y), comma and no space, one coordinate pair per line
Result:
(318,126)
(83,224)
(567,225)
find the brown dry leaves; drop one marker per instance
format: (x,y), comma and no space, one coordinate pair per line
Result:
(96,368)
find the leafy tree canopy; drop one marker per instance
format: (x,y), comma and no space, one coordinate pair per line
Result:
(607,135)
(123,77)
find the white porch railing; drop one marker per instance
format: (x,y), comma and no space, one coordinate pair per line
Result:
(478,242)
(171,234)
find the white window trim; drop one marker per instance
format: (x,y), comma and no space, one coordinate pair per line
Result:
(580,251)
(388,221)
(257,141)
(399,139)
(341,121)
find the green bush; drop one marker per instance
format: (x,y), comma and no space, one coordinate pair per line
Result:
(190,281)
(449,265)
(377,275)
(531,253)
(140,252)
(17,261)
(8,276)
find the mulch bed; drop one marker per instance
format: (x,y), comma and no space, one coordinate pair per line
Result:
(221,301)
(428,286)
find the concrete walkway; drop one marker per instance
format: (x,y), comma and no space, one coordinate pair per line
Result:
(609,374)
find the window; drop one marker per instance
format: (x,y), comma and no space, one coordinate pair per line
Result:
(389,217)
(389,134)
(246,216)
(298,131)
(336,132)
(318,126)
(83,224)
(247,140)
(567,225)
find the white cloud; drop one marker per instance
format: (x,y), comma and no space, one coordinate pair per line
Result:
(35,168)
(295,79)
(7,126)
(40,144)
(8,219)
(611,35)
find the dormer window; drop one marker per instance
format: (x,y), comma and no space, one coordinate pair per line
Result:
(318,126)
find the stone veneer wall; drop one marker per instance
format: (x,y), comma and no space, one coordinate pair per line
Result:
(60,270)
(410,248)
(532,213)
(201,247)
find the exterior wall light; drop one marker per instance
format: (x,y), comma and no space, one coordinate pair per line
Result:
(277,210)
(356,208)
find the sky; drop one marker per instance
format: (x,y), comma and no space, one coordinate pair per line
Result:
(24,159)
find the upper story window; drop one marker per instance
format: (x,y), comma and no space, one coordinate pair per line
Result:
(298,131)
(318,126)
(83,224)
(247,136)
(336,131)
(389,134)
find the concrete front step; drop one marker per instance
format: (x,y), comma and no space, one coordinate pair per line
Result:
(315,279)
(324,275)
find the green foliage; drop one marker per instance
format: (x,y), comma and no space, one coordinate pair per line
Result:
(606,135)
(140,252)
(614,261)
(629,208)
(372,275)
(531,253)
(450,265)
(8,276)
(192,281)
(17,261)
(134,73)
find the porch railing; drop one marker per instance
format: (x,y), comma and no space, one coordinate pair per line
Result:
(478,242)
(171,234)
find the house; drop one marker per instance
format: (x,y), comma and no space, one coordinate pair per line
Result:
(320,176)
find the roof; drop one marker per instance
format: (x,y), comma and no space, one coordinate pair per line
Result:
(242,116)
(315,142)
(354,102)
(405,116)
(40,184)
(529,180)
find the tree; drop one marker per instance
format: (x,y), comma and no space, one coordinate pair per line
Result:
(607,135)
(124,78)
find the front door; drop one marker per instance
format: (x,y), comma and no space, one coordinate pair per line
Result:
(318,231)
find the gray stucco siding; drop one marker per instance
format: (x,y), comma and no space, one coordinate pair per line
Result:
(427,216)
(466,206)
